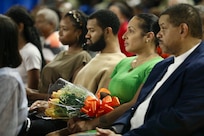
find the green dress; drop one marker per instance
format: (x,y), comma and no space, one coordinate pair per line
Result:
(125,83)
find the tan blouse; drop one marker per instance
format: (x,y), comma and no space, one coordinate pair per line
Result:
(63,66)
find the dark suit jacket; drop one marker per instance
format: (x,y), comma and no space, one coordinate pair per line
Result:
(177,108)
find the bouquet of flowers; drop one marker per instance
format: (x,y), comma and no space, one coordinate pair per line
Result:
(75,101)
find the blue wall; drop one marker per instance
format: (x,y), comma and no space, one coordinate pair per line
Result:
(6,4)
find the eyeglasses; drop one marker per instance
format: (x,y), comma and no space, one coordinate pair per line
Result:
(76,15)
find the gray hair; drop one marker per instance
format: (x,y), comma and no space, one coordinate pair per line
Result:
(50,15)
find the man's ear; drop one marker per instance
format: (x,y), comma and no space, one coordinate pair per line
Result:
(108,30)
(184,29)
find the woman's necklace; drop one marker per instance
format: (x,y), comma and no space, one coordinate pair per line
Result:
(137,62)
(132,65)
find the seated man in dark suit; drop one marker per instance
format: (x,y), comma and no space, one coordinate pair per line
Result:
(171,102)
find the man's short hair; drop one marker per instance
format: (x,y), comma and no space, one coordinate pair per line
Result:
(188,14)
(106,18)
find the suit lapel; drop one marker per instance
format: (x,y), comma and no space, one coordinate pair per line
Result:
(156,74)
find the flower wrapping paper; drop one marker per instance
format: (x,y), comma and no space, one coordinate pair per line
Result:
(75,101)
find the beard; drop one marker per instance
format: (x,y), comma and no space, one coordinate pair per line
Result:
(99,45)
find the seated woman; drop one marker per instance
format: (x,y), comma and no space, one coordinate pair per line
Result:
(13,107)
(67,63)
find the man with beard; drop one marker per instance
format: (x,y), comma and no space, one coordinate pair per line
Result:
(103,26)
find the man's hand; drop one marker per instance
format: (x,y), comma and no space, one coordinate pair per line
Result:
(105,132)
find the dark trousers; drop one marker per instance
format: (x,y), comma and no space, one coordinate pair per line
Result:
(41,127)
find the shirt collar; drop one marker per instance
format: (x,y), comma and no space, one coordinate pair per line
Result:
(182,57)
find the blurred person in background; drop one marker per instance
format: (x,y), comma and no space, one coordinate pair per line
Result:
(29,46)
(174,2)
(200,9)
(124,13)
(47,23)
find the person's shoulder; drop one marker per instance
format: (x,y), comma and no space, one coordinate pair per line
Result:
(197,55)
(9,74)
(85,53)
(163,62)
(119,55)
(111,56)
(157,59)
(61,53)
(30,48)
(201,47)
(10,80)
(83,56)
(29,45)
(128,59)
(7,71)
